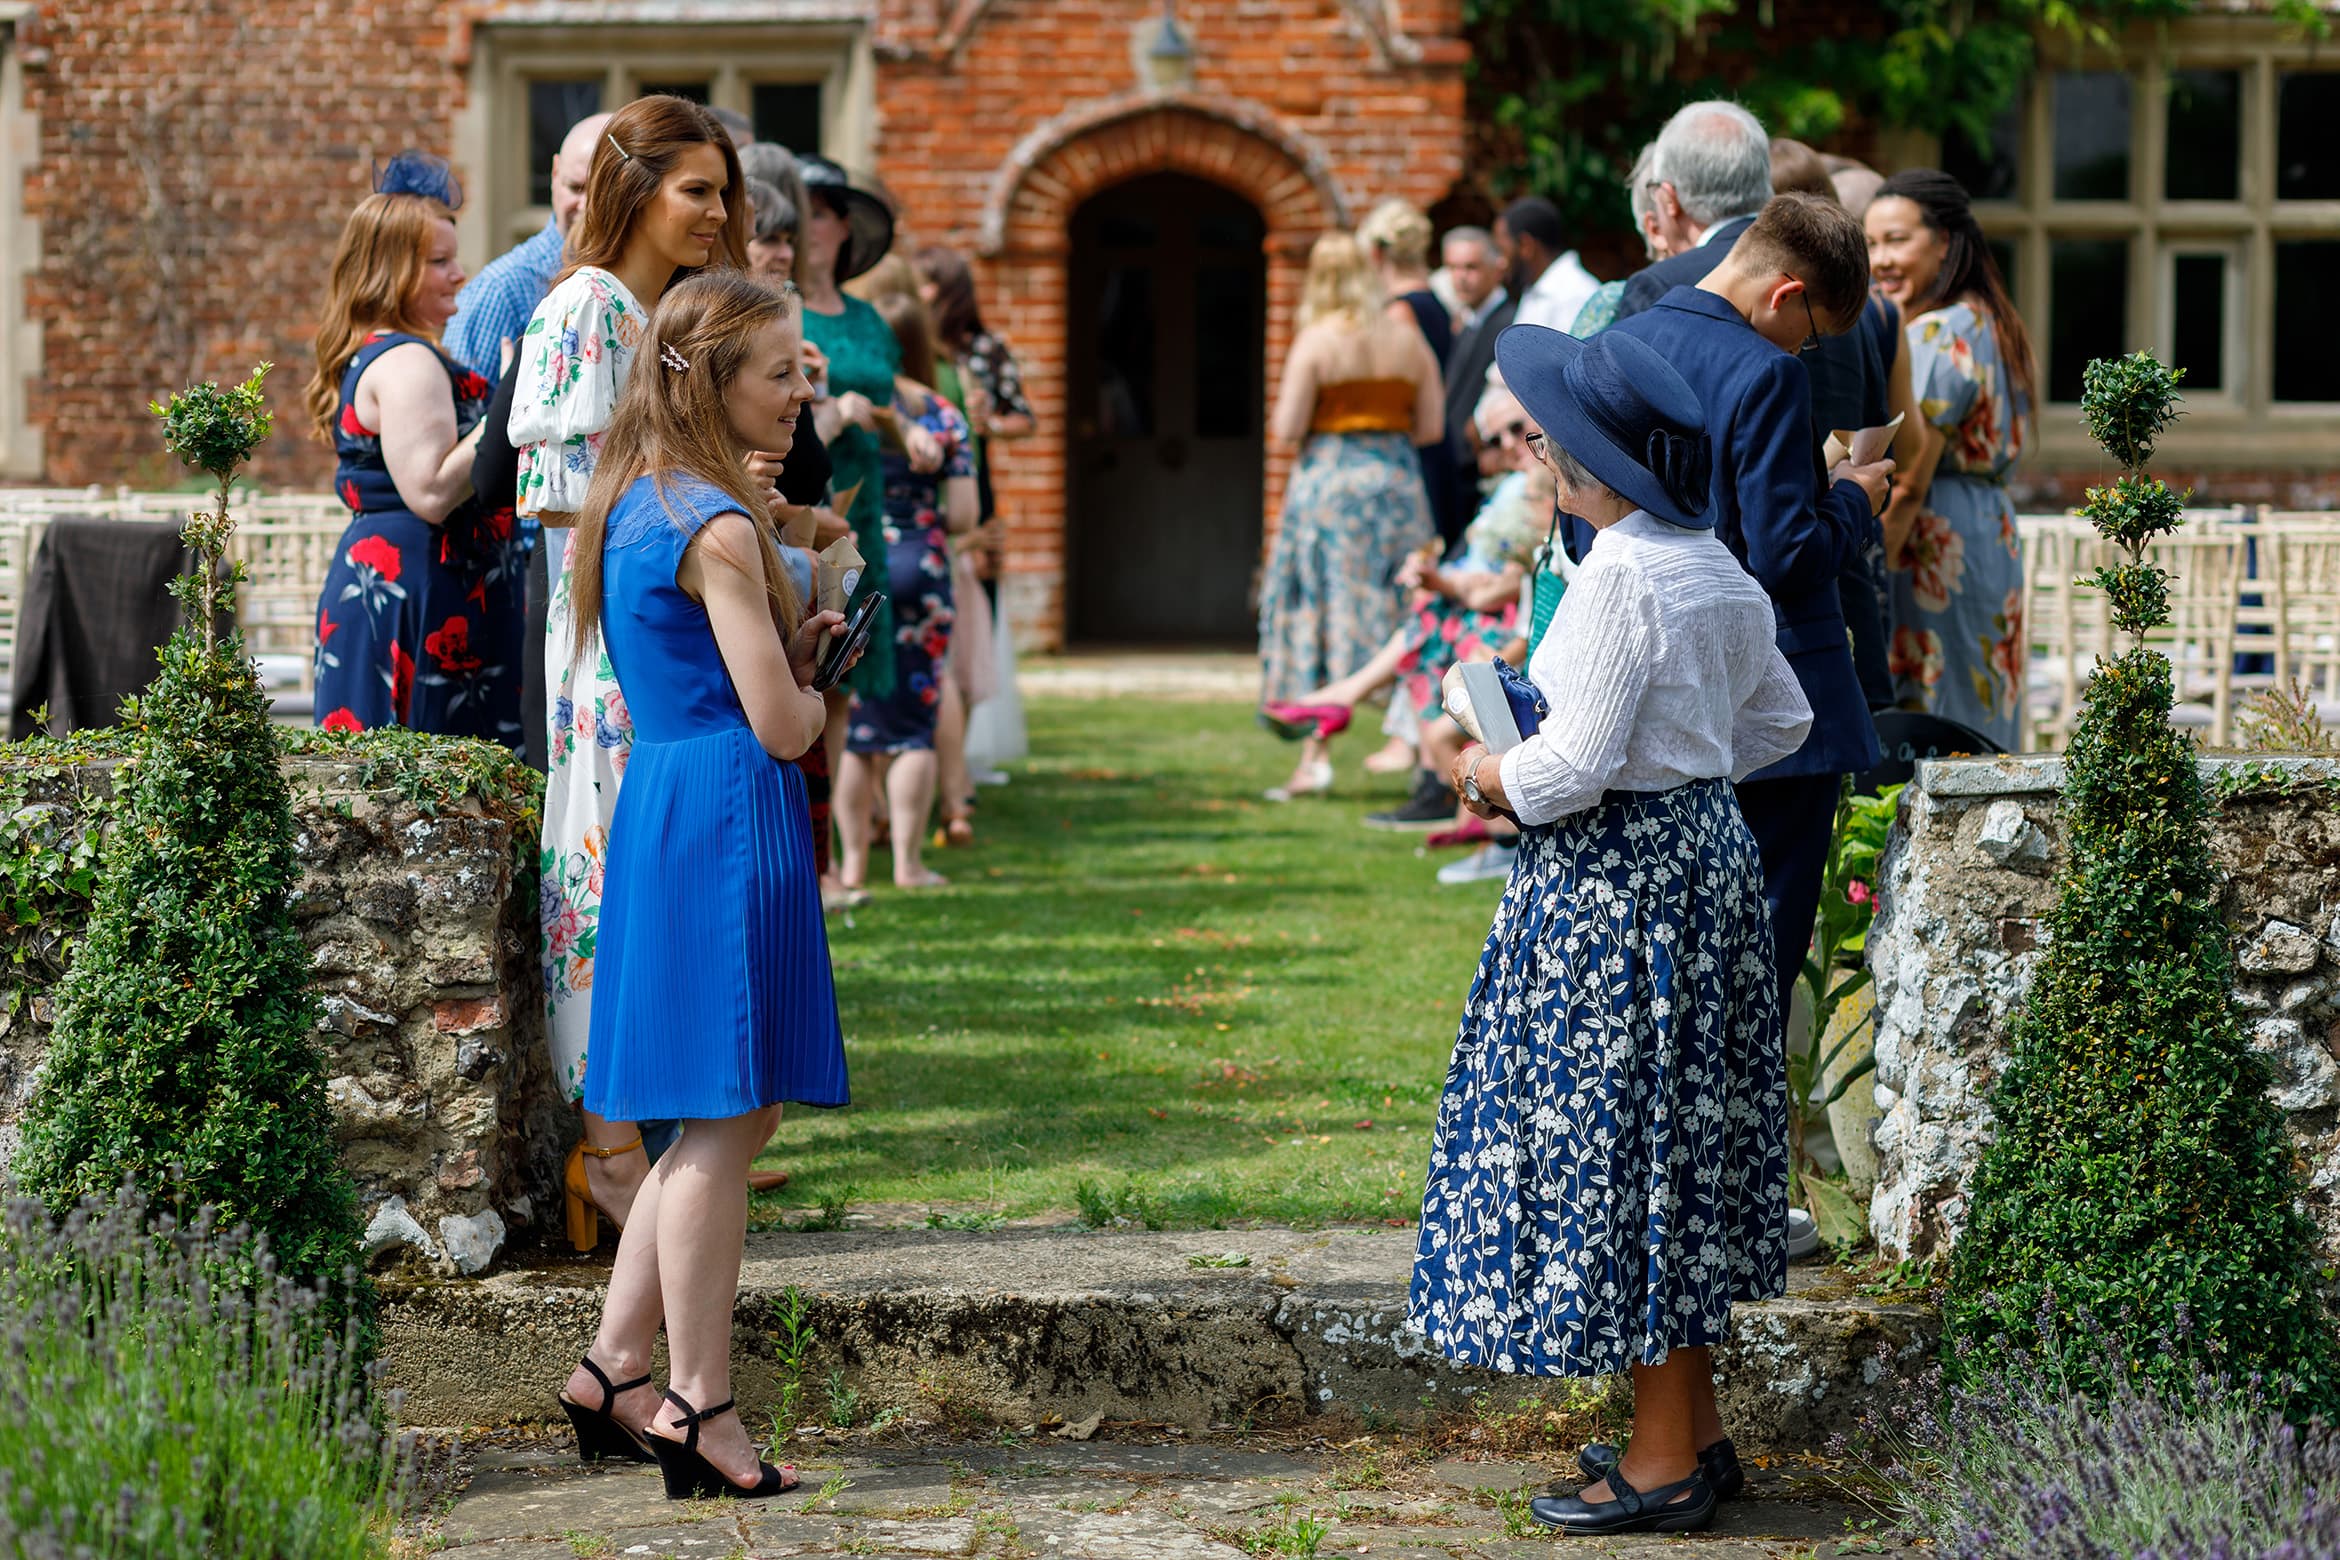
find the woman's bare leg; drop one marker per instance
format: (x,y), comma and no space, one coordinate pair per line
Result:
(952,787)
(855,794)
(910,802)
(702,1224)
(617,1180)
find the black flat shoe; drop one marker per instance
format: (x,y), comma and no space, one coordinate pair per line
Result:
(1719,1462)
(1660,1511)
(689,1475)
(600,1433)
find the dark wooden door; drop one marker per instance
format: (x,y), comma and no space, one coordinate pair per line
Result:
(1168,448)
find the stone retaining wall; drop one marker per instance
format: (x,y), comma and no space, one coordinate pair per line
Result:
(429,1011)
(1963,892)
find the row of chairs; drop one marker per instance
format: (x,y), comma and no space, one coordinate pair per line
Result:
(285,542)
(2254,604)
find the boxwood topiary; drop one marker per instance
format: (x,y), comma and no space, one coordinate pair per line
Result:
(185,1046)
(2140,1181)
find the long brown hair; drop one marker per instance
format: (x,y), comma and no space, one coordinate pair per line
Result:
(1967,266)
(384,247)
(640,147)
(673,422)
(958,318)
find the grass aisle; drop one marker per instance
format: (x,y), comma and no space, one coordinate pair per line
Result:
(1146,981)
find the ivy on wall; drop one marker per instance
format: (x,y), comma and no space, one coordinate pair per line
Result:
(1571,89)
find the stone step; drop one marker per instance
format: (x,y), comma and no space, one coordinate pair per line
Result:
(1019,1326)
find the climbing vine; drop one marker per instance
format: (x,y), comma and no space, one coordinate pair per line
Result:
(1569,90)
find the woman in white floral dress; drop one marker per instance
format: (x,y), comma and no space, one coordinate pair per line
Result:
(662,199)
(1957,646)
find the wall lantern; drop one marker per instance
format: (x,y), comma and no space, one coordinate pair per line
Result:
(1170,56)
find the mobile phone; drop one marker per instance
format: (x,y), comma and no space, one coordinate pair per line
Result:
(845,644)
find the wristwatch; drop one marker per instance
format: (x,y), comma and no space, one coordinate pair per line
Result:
(1470,786)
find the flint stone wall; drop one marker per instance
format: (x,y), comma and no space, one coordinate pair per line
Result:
(1966,884)
(429,1009)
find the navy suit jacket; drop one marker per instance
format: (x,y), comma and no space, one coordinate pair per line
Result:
(1687,269)
(1768,509)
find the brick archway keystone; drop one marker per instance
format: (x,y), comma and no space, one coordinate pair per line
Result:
(1083,150)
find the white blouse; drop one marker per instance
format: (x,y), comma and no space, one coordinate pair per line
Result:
(573,363)
(1660,668)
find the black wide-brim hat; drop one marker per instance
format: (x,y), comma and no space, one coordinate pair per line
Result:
(1620,410)
(871,220)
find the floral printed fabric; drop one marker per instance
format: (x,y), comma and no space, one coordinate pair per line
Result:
(573,362)
(919,582)
(1609,1172)
(419,625)
(1355,506)
(1958,646)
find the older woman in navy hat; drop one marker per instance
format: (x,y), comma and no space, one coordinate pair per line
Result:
(1610,1168)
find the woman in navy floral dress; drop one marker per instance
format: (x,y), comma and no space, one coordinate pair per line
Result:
(421,618)
(1609,1173)
(889,744)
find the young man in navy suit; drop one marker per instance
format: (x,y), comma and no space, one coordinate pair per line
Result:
(1799,273)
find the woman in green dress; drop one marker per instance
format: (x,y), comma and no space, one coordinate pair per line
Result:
(846,231)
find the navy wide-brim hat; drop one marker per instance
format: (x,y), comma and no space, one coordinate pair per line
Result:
(1620,410)
(870,218)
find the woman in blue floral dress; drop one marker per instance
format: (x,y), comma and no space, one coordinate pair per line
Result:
(889,745)
(1609,1173)
(420,621)
(1957,645)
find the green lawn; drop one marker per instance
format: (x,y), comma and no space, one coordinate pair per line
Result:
(1145,978)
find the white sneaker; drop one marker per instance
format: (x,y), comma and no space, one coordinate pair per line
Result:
(991,777)
(1491,862)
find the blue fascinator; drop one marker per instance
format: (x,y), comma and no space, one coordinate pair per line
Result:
(419,173)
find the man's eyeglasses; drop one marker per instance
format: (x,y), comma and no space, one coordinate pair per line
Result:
(1813,339)
(1537,443)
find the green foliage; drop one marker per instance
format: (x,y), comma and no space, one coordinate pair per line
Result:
(2139,1176)
(184,1045)
(1834,973)
(167,1393)
(1573,88)
(213,430)
(2129,402)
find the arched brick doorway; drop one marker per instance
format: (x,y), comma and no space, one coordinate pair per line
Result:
(1166,440)
(1026,242)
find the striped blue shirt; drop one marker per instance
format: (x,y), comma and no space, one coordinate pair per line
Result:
(499,301)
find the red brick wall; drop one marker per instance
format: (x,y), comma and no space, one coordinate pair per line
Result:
(188,218)
(1277,83)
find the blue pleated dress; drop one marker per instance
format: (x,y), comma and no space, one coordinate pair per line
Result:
(713,995)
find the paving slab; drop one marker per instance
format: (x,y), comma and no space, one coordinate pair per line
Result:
(1040,1325)
(1129,1502)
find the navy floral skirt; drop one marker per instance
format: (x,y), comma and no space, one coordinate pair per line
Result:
(1609,1172)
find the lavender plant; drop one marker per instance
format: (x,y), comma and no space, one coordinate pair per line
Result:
(2022,1462)
(164,1390)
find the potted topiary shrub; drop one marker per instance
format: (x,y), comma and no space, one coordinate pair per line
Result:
(184,1048)
(2140,1183)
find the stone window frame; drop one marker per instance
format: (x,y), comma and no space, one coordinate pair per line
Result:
(20,255)
(828,41)
(2241,425)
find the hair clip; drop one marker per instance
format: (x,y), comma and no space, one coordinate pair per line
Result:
(674,360)
(621,151)
(419,173)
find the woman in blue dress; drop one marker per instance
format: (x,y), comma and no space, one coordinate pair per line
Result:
(1609,1172)
(420,621)
(713,998)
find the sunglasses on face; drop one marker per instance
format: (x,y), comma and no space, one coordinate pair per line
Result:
(1812,326)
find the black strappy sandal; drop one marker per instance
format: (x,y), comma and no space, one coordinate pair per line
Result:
(1662,1510)
(689,1475)
(600,1433)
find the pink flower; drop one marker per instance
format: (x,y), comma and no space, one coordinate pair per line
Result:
(1937,560)
(1858,892)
